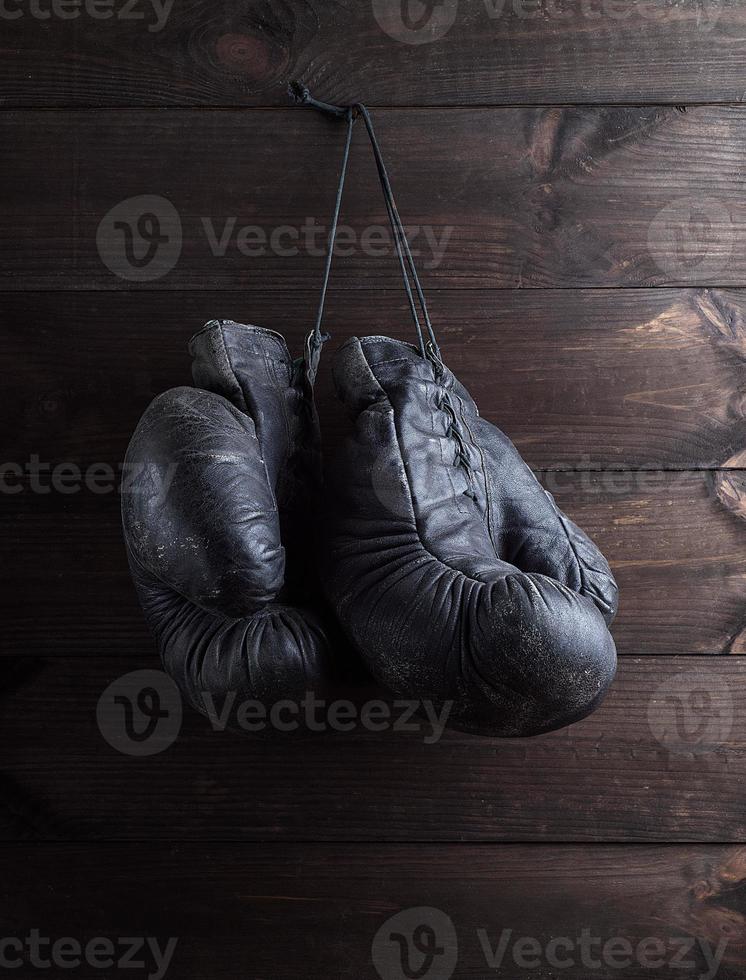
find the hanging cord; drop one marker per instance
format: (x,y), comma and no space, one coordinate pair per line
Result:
(402,244)
(428,349)
(302,96)
(316,338)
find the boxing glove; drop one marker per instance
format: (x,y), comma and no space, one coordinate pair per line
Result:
(221,493)
(450,568)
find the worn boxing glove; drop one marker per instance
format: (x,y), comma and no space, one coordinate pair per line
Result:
(221,496)
(450,568)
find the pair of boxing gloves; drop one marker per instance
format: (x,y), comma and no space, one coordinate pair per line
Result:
(433,553)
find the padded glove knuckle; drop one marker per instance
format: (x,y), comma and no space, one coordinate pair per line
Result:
(220,490)
(449,566)
(200,512)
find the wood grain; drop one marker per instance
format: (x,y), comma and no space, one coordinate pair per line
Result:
(579,379)
(489,52)
(503,197)
(663,759)
(278,856)
(321,911)
(678,554)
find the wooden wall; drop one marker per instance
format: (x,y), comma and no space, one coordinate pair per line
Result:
(573,171)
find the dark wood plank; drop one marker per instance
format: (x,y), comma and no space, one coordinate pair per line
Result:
(502,197)
(325,912)
(581,380)
(664,758)
(477,53)
(677,548)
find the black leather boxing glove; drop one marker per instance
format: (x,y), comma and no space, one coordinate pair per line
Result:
(221,493)
(450,568)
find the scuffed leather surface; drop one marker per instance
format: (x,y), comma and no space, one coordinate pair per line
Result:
(458,583)
(222,493)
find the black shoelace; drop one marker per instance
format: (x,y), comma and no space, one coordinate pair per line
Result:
(428,347)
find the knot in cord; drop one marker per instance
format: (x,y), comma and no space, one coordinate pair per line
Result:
(314,342)
(299,93)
